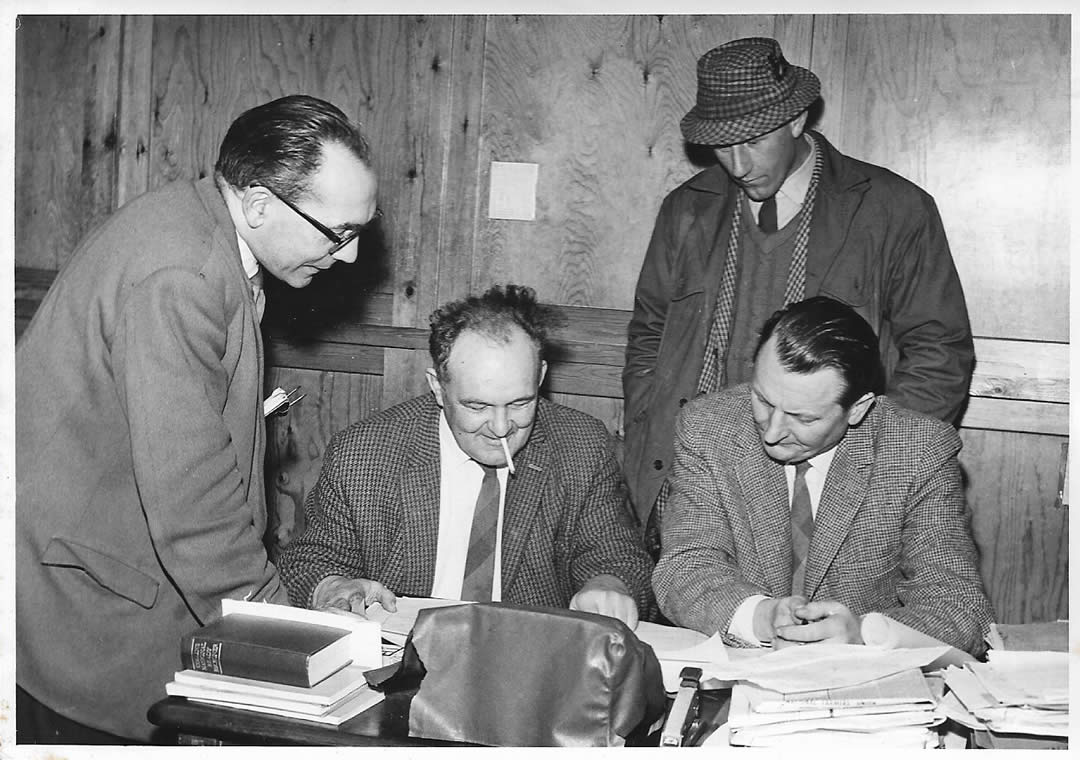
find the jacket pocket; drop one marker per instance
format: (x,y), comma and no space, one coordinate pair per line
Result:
(117,576)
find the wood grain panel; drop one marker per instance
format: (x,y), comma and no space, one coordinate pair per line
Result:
(297,440)
(135,106)
(596,102)
(1019,416)
(1021,370)
(607,410)
(1022,537)
(975,109)
(51,83)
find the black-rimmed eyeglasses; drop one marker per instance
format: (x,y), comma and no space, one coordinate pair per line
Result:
(340,240)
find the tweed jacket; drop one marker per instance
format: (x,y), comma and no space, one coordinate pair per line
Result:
(891,533)
(140,501)
(876,243)
(374,512)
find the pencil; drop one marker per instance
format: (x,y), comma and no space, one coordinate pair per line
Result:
(506,450)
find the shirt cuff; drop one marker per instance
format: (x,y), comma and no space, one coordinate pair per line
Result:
(741,626)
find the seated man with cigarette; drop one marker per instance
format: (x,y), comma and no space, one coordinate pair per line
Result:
(480,490)
(802,500)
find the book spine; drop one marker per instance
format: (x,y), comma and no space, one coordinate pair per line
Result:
(233,658)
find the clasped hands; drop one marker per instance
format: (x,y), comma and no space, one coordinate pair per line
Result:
(792,620)
(602,594)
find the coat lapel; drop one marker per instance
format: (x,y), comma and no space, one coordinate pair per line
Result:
(762,482)
(846,486)
(410,563)
(524,492)
(838,198)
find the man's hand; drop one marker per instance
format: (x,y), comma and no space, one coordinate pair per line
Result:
(771,614)
(607,595)
(338,593)
(824,621)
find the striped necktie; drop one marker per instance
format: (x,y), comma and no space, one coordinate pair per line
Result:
(480,560)
(802,528)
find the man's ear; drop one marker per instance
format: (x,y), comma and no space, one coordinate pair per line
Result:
(543,373)
(255,204)
(435,385)
(798,124)
(859,409)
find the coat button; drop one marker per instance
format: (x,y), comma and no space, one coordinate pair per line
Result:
(682,402)
(658,464)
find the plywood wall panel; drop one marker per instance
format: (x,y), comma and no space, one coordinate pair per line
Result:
(51,81)
(596,102)
(1023,538)
(975,109)
(297,440)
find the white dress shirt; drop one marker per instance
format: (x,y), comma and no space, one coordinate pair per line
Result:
(790,196)
(460,478)
(252,269)
(742,622)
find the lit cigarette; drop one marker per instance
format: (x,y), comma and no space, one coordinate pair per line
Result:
(506,450)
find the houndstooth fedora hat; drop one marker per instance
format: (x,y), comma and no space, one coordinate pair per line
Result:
(746,88)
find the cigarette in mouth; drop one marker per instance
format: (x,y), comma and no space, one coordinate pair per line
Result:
(506,450)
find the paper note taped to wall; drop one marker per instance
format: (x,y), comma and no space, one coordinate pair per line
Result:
(513,191)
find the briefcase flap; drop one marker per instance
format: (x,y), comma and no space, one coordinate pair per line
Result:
(505,675)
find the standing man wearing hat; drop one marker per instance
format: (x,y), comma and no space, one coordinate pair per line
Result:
(784,216)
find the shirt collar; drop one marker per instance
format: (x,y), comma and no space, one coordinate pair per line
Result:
(448,445)
(247,258)
(795,186)
(822,461)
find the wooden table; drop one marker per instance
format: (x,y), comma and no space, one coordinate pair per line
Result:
(385,724)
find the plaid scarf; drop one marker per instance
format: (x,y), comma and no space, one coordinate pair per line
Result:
(713,372)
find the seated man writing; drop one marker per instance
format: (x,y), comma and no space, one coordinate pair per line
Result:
(802,500)
(480,490)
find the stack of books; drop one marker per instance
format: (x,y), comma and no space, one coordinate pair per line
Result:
(896,711)
(292,668)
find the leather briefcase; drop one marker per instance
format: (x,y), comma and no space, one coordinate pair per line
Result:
(506,675)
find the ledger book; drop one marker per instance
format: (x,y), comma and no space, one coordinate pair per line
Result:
(267,649)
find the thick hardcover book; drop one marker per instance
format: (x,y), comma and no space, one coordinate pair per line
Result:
(267,649)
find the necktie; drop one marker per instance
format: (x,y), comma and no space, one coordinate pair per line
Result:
(256,281)
(712,375)
(802,527)
(767,216)
(480,560)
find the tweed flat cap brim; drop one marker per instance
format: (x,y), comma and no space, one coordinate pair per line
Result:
(704,131)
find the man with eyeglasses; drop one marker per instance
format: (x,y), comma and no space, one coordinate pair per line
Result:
(140,437)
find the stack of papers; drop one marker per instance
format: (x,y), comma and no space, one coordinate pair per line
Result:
(896,711)
(1013,693)
(332,701)
(677,648)
(396,626)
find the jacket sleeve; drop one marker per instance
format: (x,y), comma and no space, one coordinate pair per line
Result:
(330,543)
(929,320)
(167,361)
(941,591)
(697,580)
(601,531)
(651,298)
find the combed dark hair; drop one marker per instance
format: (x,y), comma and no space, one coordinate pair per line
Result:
(492,314)
(280,144)
(820,332)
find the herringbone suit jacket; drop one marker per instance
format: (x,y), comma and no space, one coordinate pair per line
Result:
(891,533)
(374,512)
